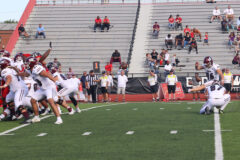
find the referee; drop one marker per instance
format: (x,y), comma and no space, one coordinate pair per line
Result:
(91,84)
(171,81)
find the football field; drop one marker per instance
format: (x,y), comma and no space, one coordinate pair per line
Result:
(126,131)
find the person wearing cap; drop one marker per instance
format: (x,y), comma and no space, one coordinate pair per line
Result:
(178,22)
(153,83)
(156,29)
(171,81)
(91,84)
(104,85)
(228,80)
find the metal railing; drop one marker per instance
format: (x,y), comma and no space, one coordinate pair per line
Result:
(134,33)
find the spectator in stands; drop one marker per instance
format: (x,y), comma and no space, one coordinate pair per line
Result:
(153,83)
(171,80)
(216,14)
(186,30)
(224,25)
(122,81)
(229,13)
(171,22)
(178,22)
(98,23)
(206,39)
(236,59)
(86,91)
(148,58)
(116,57)
(106,23)
(167,68)
(154,54)
(166,57)
(238,24)
(40,31)
(186,40)
(108,67)
(156,29)
(56,63)
(169,41)
(193,45)
(197,33)
(231,39)
(179,41)
(192,34)
(173,60)
(22,31)
(70,73)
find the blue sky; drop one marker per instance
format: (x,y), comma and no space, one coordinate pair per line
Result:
(12,9)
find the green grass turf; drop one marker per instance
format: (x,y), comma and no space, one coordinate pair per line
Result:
(151,141)
(231,140)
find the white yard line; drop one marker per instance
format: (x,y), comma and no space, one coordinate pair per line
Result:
(218,136)
(24,125)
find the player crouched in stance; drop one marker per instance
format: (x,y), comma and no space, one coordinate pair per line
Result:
(47,88)
(217,97)
(18,90)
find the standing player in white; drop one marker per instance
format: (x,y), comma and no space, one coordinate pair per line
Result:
(213,71)
(217,97)
(47,89)
(18,89)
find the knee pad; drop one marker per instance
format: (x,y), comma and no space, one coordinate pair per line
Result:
(74,101)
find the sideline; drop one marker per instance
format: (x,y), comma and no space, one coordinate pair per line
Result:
(218,136)
(24,125)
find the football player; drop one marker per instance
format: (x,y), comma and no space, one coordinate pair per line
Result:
(47,88)
(213,71)
(217,97)
(69,87)
(18,89)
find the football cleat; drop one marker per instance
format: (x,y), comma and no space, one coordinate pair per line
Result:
(71,111)
(36,119)
(59,121)
(220,111)
(78,110)
(207,111)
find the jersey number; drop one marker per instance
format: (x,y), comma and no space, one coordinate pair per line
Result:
(210,76)
(213,88)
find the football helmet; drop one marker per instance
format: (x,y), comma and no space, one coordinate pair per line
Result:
(5,53)
(36,55)
(31,62)
(4,63)
(208,61)
(18,57)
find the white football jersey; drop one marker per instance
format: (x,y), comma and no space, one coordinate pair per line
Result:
(211,72)
(75,82)
(32,85)
(43,82)
(16,83)
(65,83)
(216,91)
(19,65)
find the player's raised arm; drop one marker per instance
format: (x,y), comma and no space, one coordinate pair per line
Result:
(197,88)
(45,55)
(197,66)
